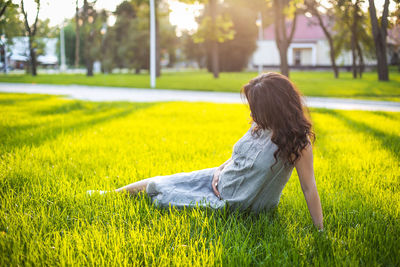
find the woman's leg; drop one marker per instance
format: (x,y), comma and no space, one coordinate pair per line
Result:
(134,188)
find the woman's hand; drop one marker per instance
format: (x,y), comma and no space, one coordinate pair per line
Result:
(214,182)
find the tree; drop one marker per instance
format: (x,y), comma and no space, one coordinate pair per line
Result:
(108,51)
(10,24)
(353,23)
(77,34)
(92,22)
(31,31)
(69,36)
(352,33)
(123,45)
(85,22)
(70,39)
(314,6)
(125,14)
(193,51)
(168,39)
(282,39)
(213,29)
(214,44)
(365,45)
(10,27)
(126,43)
(140,40)
(3,6)
(379,31)
(234,54)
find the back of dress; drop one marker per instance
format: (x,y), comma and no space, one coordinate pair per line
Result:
(247,182)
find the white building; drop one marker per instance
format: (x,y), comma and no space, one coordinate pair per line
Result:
(309,48)
(19,52)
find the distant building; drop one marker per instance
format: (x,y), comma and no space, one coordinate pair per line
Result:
(309,48)
(19,53)
(393,42)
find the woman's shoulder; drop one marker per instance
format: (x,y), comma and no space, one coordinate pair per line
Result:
(260,132)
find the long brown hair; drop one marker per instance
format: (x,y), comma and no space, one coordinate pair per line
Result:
(277,105)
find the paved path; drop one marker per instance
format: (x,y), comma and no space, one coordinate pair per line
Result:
(97,93)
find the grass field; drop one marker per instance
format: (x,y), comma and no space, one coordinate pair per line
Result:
(52,150)
(310,83)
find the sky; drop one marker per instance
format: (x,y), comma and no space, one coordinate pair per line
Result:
(182,15)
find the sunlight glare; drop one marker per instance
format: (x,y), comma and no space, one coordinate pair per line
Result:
(184,16)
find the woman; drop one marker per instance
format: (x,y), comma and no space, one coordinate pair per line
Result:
(262,161)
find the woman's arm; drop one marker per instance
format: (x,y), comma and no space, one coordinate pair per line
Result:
(215,179)
(220,168)
(305,170)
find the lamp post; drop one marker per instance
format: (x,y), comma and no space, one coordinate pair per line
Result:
(260,38)
(63,66)
(152,45)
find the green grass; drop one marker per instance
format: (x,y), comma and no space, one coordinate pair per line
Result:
(310,83)
(52,150)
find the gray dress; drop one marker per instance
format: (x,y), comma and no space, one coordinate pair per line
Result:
(246,182)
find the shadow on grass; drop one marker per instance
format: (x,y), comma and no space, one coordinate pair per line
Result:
(36,134)
(85,107)
(62,109)
(18,100)
(389,142)
(388,115)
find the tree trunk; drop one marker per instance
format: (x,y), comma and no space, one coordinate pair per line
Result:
(31,31)
(171,58)
(354,39)
(361,64)
(3,9)
(88,59)
(215,59)
(214,43)
(332,52)
(282,40)
(353,56)
(32,55)
(379,33)
(284,67)
(383,71)
(77,36)
(89,67)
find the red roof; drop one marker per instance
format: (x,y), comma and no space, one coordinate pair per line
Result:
(307,29)
(393,36)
